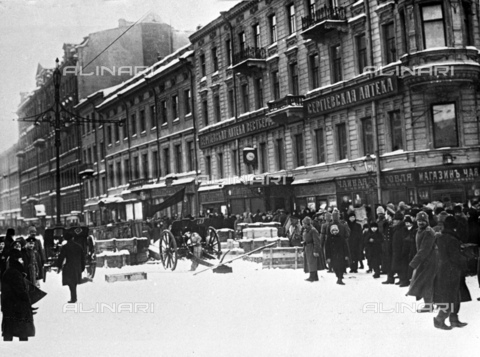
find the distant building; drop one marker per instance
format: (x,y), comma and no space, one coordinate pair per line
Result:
(10,215)
(132,48)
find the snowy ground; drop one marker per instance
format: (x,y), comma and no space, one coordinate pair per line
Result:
(252,312)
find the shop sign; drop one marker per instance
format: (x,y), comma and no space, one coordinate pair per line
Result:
(378,88)
(212,196)
(236,131)
(406,179)
(355,184)
(448,175)
(322,189)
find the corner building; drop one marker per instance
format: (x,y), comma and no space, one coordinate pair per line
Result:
(318,87)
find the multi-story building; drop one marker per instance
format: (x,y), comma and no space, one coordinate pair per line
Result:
(391,81)
(9,189)
(103,59)
(152,155)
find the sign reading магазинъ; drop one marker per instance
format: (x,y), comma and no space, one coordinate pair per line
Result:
(375,89)
(448,175)
(236,131)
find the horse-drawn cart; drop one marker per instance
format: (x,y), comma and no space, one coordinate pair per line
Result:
(179,242)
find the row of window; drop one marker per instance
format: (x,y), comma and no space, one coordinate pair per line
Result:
(444,132)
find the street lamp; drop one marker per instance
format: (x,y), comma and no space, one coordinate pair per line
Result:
(57,76)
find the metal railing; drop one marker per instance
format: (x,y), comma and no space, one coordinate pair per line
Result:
(249,53)
(322,14)
(287,101)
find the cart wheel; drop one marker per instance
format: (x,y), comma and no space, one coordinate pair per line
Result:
(213,246)
(168,250)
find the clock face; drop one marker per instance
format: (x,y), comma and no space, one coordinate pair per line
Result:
(250,156)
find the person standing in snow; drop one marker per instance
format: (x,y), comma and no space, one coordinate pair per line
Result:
(314,259)
(72,254)
(449,288)
(336,250)
(355,242)
(424,263)
(373,240)
(16,308)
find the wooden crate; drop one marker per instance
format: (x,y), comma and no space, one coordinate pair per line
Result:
(111,278)
(284,257)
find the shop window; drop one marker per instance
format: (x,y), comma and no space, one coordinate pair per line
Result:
(396,130)
(299,152)
(320,145)
(433,26)
(444,125)
(367,136)
(342,144)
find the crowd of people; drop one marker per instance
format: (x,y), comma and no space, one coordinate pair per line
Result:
(22,263)
(430,249)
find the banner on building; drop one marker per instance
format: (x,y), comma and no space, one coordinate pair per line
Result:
(150,210)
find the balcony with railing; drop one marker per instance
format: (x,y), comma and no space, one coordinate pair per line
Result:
(323,20)
(250,60)
(287,109)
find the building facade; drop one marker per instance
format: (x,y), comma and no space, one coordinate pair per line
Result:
(153,154)
(318,87)
(10,214)
(84,72)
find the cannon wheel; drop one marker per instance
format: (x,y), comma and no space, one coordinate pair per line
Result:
(168,250)
(212,243)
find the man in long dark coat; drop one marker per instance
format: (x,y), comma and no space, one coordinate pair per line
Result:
(336,250)
(314,259)
(74,257)
(355,242)
(424,263)
(449,284)
(399,252)
(16,308)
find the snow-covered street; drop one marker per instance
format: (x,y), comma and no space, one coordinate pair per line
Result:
(252,312)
